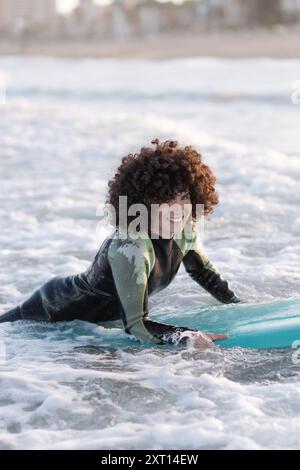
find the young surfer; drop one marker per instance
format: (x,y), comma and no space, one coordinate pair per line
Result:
(127,269)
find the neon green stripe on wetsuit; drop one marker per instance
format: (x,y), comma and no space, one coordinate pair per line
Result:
(131,261)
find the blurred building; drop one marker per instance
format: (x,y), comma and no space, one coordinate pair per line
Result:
(220,14)
(240,14)
(126,19)
(20,16)
(119,19)
(81,23)
(155,17)
(291,10)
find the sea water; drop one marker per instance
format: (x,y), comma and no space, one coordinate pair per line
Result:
(64,126)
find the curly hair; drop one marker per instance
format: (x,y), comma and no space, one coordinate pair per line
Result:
(155,176)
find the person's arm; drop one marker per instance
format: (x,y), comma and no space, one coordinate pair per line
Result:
(205,273)
(131,262)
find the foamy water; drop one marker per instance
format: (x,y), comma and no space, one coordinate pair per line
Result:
(64,128)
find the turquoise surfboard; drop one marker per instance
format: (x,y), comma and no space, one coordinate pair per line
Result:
(262,326)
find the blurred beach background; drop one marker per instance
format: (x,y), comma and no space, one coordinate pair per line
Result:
(150,29)
(84,83)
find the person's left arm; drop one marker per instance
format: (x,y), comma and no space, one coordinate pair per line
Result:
(206,274)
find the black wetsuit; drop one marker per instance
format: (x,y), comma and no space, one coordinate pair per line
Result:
(118,282)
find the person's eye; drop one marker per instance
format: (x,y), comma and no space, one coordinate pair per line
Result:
(186,196)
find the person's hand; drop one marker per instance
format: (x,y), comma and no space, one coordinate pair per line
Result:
(231,300)
(217,337)
(205,340)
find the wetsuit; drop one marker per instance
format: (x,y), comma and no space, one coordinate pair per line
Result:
(118,282)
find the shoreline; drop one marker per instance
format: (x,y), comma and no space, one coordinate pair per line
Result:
(235,45)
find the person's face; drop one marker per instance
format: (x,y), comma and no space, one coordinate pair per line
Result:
(174,214)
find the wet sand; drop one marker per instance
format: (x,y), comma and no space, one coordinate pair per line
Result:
(281,43)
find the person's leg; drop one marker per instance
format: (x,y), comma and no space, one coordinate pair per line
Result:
(12,315)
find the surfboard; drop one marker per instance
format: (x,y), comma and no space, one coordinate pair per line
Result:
(263,326)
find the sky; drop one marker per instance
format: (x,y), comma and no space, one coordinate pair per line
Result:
(64,6)
(67,5)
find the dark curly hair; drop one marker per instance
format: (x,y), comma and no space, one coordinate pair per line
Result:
(155,176)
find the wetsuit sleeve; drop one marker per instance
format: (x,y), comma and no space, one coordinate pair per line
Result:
(131,262)
(205,273)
